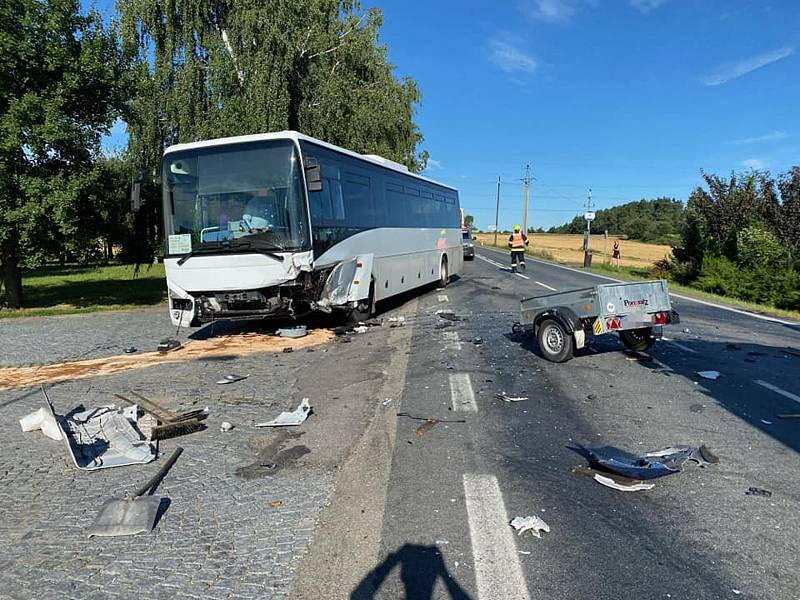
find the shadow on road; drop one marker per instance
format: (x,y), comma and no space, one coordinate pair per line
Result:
(420,568)
(736,390)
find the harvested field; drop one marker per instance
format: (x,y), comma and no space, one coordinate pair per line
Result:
(232,345)
(568,248)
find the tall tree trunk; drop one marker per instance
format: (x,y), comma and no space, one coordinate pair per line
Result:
(12,276)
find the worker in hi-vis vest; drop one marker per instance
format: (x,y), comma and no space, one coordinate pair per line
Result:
(517,242)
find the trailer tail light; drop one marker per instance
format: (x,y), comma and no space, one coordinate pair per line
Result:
(660,318)
(613,323)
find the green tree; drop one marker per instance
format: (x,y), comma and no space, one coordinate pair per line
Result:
(213,68)
(469,221)
(58,91)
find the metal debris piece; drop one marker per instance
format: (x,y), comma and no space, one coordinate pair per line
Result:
(709,374)
(755,491)
(405,414)
(103,437)
(129,350)
(231,378)
(477,341)
(765,422)
(293,332)
(502,396)
(168,346)
(42,419)
(386,402)
(296,417)
(225,426)
(426,427)
(533,524)
(449,315)
(361,329)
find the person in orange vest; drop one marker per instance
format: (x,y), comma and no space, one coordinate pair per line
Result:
(517,241)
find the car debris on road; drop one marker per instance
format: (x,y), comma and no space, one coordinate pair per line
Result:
(102,437)
(533,524)
(650,465)
(295,417)
(709,374)
(231,378)
(293,332)
(756,491)
(506,398)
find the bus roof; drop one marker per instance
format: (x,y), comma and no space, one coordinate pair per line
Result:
(297,137)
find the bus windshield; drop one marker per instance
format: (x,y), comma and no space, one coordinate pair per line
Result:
(245,194)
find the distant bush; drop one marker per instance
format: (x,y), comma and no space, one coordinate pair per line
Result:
(771,285)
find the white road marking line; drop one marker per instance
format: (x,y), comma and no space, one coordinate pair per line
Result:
(461,392)
(778,390)
(681,346)
(682,297)
(453,343)
(494,551)
(544,285)
(443,298)
(497,264)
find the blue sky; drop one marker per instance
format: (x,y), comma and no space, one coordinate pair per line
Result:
(629,97)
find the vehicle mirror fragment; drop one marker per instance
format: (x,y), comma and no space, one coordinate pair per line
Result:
(313,174)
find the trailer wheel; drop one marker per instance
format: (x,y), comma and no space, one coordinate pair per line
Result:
(554,341)
(637,340)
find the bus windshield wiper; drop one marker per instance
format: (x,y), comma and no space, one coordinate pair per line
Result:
(227,247)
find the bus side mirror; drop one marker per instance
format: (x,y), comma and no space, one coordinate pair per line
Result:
(313,174)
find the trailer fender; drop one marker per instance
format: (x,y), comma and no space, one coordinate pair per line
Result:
(568,319)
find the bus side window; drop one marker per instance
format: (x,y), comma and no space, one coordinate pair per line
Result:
(358,200)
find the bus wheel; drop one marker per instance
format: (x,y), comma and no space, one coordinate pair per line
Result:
(444,273)
(364,308)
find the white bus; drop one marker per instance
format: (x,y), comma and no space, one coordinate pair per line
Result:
(282,225)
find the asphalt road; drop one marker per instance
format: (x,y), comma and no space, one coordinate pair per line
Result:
(452,490)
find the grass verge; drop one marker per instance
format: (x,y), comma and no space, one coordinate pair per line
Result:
(638,274)
(74,290)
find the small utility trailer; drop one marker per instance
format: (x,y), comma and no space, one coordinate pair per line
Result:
(561,321)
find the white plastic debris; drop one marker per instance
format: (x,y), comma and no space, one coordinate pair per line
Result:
(635,487)
(296,417)
(361,329)
(386,402)
(231,378)
(225,426)
(42,419)
(533,523)
(709,374)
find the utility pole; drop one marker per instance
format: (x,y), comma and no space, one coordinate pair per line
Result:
(527,181)
(497,211)
(589,216)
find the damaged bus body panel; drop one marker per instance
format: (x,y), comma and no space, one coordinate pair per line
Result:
(282,225)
